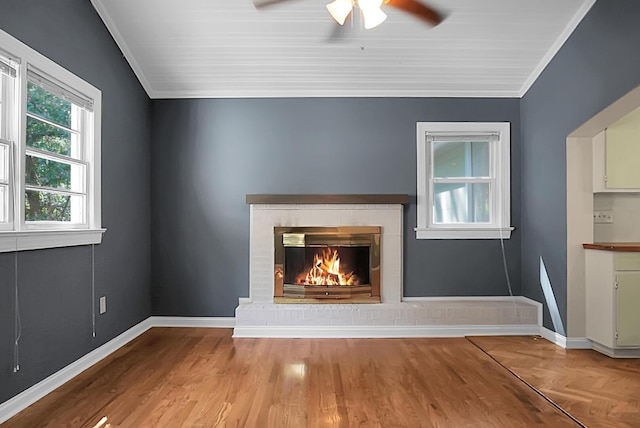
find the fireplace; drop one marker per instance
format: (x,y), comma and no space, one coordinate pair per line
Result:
(260,314)
(327,264)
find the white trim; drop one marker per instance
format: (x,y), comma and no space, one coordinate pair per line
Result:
(463,233)
(383,331)
(323,93)
(41,239)
(553,337)
(555,47)
(564,342)
(211,322)
(94,152)
(617,352)
(579,343)
(26,398)
(120,41)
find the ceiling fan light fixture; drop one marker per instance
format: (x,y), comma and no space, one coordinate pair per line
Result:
(372,13)
(340,10)
(373,17)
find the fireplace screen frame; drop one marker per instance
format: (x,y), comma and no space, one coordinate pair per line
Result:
(368,236)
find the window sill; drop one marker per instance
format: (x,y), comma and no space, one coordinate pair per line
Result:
(463,233)
(42,239)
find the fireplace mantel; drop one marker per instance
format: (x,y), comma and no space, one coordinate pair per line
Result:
(324,199)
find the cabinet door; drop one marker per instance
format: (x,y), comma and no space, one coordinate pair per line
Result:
(623,152)
(628,310)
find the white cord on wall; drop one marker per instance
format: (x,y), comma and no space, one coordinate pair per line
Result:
(17,322)
(93,290)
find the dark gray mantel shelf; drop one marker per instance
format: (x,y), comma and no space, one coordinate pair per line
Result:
(328,199)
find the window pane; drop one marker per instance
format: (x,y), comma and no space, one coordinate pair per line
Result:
(460,159)
(47,137)
(4,163)
(462,203)
(46,206)
(4,203)
(51,107)
(57,175)
(2,77)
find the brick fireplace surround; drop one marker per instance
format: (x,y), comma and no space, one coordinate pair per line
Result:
(395,316)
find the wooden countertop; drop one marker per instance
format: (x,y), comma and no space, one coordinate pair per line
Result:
(614,246)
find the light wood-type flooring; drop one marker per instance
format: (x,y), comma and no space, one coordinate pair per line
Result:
(597,390)
(176,377)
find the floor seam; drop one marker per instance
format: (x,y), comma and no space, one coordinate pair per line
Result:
(540,393)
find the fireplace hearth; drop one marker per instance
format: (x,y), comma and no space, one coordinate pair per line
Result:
(327,264)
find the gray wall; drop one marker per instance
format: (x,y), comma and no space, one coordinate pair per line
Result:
(207,154)
(599,63)
(55,285)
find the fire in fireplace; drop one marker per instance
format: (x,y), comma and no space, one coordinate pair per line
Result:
(325,264)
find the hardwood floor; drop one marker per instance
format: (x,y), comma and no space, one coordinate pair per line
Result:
(174,377)
(597,390)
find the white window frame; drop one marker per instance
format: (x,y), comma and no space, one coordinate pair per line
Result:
(499,136)
(17,234)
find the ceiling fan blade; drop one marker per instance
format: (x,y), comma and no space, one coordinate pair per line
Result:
(417,9)
(264,3)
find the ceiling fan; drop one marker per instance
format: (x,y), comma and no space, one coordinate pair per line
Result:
(372,12)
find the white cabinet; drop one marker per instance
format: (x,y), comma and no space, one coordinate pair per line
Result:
(613,301)
(616,154)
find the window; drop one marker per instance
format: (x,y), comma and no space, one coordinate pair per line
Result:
(55,166)
(463,180)
(7,83)
(49,153)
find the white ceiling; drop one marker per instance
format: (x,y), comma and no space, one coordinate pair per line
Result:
(227,48)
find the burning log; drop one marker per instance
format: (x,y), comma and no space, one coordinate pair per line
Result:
(326,271)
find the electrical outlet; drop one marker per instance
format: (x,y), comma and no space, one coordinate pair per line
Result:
(603,216)
(103,305)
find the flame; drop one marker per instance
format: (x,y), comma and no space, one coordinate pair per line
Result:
(326,271)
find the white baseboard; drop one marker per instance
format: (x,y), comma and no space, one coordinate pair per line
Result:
(384,331)
(26,398)
(616,352)
(579,343)
(565,342)
(211,322)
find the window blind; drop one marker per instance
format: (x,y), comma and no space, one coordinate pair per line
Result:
(59,90)
(7,69)
(462,137)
